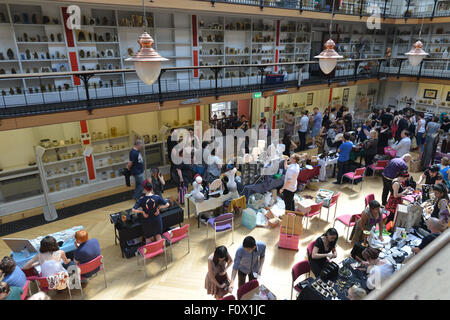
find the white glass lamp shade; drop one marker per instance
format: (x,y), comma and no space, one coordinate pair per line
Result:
(328,57)
(147,61)
(416,55)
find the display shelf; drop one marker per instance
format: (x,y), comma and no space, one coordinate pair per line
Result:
(112,165)
(61,161)
(37,43)
(44,60)
(110,138)
(110,152)
(59,176)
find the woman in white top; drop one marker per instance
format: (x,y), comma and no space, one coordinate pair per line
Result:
(420,131)
(49,258)
(378,270)
(290,181)
(404,145)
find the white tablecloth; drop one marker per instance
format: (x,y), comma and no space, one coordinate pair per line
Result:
(323,167)
(210,204)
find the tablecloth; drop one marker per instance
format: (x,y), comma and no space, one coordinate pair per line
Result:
(306,174)
(66,236)
(210,204)
(268,183)
(324,163)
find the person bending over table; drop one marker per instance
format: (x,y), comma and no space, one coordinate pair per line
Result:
(441,202)
(378,270)
(370,217)
(398,191)
(13,275)
(150,218)
(393,168)
(290,181)
(249,260)
(436,227)
(324,248)
(217,282)
(356,293)
(431,176)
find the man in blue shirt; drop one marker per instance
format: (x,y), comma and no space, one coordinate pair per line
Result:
(344,156)
(317,124)
(136,167)
(249,260)
(87,250)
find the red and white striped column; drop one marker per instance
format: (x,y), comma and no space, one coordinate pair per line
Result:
(86,142)
(72,53)
(195,44)
(277,52)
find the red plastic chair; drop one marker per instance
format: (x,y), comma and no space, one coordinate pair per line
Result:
(222,223)
(152,250)
(26,289)
(358,174)
(178,235)
(246,287)
(298,270)
(369,198)
(348,220)
(42,284)
(91,266)
(229,297)
(310,247)
(333,202)
(316,209)
(378,166)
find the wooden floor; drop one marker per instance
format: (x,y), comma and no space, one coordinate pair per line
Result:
(185,276)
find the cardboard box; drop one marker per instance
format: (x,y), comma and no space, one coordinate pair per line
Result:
(313,185)
(291,223)
(304,205)
(274,222)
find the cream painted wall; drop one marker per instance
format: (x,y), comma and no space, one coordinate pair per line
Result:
(16,148)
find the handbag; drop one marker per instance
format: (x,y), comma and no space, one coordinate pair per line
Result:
(182,190)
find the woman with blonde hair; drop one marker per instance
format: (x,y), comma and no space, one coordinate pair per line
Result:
(356,293)
(370,148)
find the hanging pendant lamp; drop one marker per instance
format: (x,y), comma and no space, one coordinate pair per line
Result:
(147,62)
(328,57)
(416,55)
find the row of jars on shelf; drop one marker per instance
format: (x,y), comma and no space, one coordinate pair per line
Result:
(41,89)
(41,38)
(83,35)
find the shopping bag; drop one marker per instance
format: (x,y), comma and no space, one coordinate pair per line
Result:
(182,190)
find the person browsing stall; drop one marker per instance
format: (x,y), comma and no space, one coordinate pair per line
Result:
(87,250)
(324,249)
(404,145)
(378,270)
(149,205)
(370,217)
(431,176)
(393,168)
(157,181)
(303,130)
(344,156)
(136,167)
(290,181)
(441,202)
(398,191)
(249,260)
(316,118)
(12,275)
(217,282)
(436,228)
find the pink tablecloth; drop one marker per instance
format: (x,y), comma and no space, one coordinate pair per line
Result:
(306,174)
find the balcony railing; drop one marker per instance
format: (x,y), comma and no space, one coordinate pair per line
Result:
(89,97)
(386,8)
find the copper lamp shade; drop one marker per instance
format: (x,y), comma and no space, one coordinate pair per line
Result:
(147,61)
(416,55)
(328,57)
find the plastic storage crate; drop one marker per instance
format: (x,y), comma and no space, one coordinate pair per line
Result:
(326,201)
(249,218)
